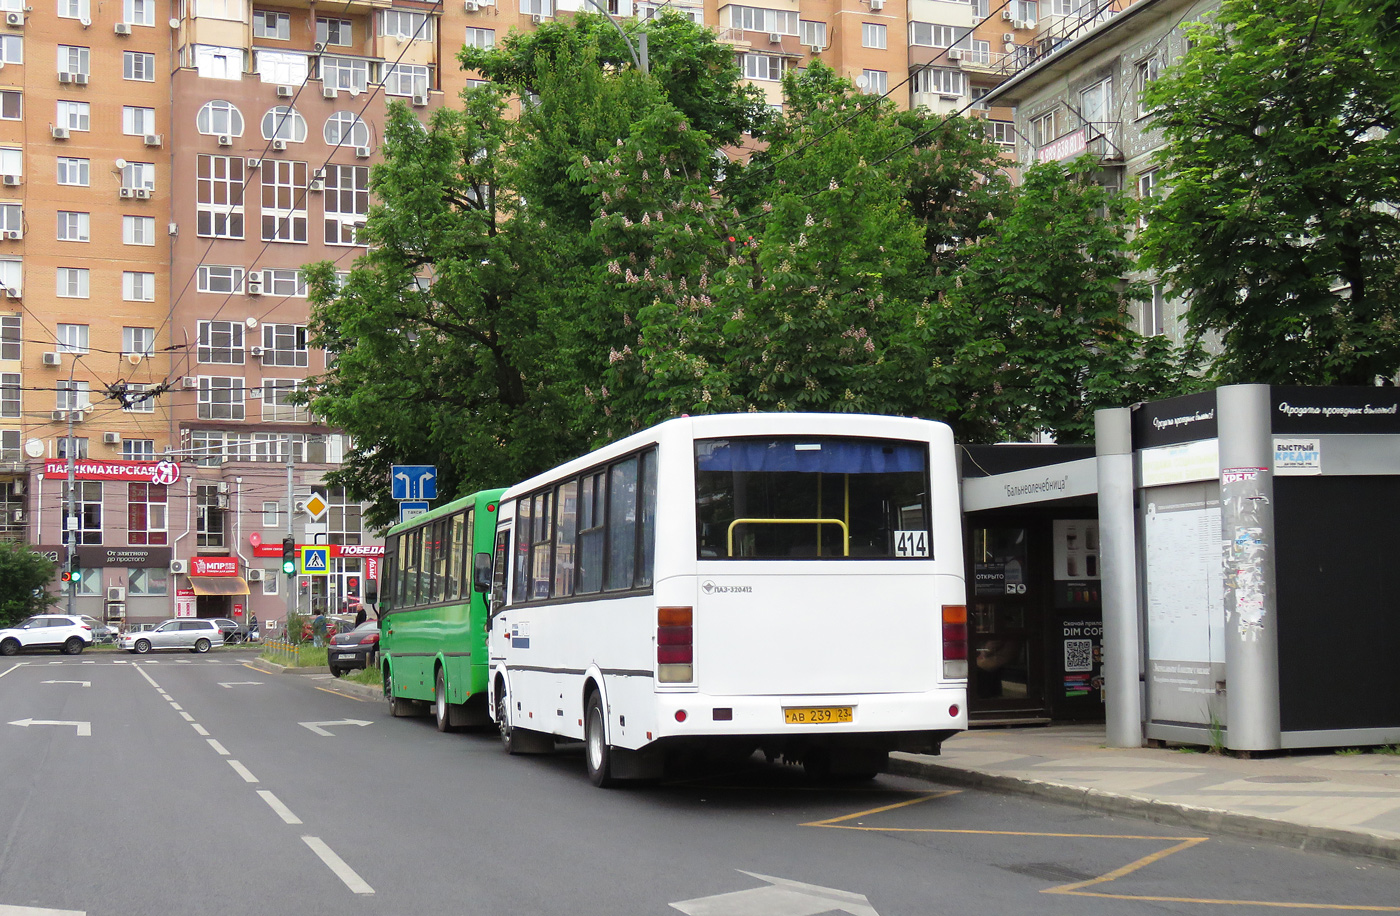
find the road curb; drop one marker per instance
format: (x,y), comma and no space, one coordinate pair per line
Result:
(1210,820)
(365,691)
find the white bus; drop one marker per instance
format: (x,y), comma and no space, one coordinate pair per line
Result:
(785,582)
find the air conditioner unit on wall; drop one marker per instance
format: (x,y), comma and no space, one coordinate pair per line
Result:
(153,139)
(876,5)
(255,351)
(285,92)
(1008,36)
(116,593)
(60,133)
(420,99)
(253,285)
(255,575)
(111,438)
(13,181)
(225,140)
(51,358)
(279,144)
(178,566)
(190,381)
(122,28)
(14,20)
(328,92)
(775,38)
(954,54)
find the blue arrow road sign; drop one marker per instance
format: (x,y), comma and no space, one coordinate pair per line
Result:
(408,510)
(414,481)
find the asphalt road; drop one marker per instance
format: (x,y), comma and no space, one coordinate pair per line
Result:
(200,790)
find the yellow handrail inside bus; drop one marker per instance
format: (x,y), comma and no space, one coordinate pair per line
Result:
(845,529)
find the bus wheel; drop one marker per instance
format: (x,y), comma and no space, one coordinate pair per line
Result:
(398,706)
(442,715)
(595,739)
(503,718)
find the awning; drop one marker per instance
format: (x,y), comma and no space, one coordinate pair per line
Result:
(219,585)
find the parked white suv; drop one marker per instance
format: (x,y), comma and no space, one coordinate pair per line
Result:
(193,633)
(69,635)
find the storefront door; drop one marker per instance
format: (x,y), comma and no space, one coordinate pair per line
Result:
(1004,677)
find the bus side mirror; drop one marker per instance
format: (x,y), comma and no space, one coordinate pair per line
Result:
(371,592)
(481,572)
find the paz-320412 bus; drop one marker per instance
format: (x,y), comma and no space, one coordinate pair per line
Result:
(789,582)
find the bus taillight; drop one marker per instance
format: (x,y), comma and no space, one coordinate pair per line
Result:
(675,644)
(954,640)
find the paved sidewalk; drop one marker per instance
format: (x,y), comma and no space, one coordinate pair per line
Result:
(1316,800)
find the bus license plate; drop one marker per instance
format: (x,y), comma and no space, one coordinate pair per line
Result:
(817,715)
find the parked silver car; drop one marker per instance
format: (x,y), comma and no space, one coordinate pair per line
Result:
(190,633)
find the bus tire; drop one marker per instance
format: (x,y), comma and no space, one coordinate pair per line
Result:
(597,754)
(399,708)
(442,710)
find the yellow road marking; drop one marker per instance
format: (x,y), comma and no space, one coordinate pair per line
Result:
(348,696)
(1076,889)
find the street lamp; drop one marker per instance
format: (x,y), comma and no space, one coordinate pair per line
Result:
(637,51)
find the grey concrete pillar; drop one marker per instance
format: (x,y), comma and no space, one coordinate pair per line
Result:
(1113,444)
(1251,609)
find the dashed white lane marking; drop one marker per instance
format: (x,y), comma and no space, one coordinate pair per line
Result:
(175,706)
(243,771)
(336,864)
(37,911)
(89,663)
(2,674)
(149,679)
(218,748)
(199,729)
(282,810)
(187,717)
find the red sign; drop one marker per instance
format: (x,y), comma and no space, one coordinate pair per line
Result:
(163,472)
(238,610)
(1071,144)
(337,550)
(372,569)
(213,566)
(255,539)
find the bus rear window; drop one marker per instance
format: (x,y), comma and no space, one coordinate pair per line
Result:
(808,498)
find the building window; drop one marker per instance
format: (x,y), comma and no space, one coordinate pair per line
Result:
(269,584)
(138,286)
(72,59)
(1147,73)
(72,226)
(284,201)
(138,65)
(406,79)
(271,512)
(138,230)
(221,342)
(72,171)
(762,67)
(812,34)
(139,175)
(11,273)
(219,63)
(277,26)
(220,398)
(1095,103)
(10,395)
(979,51)
(78,447)
(219,185)
(755,19)
(979,98)
(1002,133)
(344,522)
(537,7)
(12,219)
(346,201)
(284,345)
(140,398)
(72,338)
(73,284)
(216,278)
(148,582)
(276,403)
(940,80)
(284,281)
(87,506)
(480,38)
(138,449)
(1147,189)
(1043,129)
(74,115)
(138,341)
(73,395)
(1025,10)
(406,25)
(12,49)
(137,122)
(932,35)
(284,123)
(145,514)
(286,68)
(139,12)
(11,161)
(210,517)
(218,117)
(873,35)
(348,73)
(11,337)
(344,128)
(1154,313)
(877,82)
(334,32)
(11,105)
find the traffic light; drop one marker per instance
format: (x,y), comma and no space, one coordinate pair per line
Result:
(289,555)
(70,568)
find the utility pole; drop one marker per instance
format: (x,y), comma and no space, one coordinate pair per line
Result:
(291,508)
(70,527)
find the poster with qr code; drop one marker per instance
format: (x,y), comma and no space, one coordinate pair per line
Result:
(1079,655)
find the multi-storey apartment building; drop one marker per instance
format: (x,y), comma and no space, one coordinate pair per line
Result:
(166,169)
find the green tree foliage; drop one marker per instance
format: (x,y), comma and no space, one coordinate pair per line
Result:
(24,578)
(1283,168)
(1041,316)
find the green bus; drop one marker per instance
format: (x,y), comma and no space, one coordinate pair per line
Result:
(433,609)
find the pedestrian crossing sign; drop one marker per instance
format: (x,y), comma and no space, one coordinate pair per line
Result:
(314,561)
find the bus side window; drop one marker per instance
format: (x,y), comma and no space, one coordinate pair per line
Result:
(498,575)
